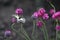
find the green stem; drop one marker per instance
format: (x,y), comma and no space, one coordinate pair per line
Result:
(45,31)
(25,33)
(52,5)
(57,31)
(34,31)
(17,31)
(33,27)
(56,20)
(56,34)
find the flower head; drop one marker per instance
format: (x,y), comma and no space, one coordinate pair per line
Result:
(13,20)
(22,20)
(52,11)
(19,11)
(56,15)
(35,15)
(39,24)
(57,27)
(7,33)
(45,16)
(18,19)
(41,12)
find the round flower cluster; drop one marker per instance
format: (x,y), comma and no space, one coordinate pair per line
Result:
(19,11)
(17,18)
(7,33)
(56,15)
(52,11)
(39,23)
(40,13)
(58,27)
(35,15)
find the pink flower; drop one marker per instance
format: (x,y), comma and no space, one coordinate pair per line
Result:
(19,11)
(35,15)
(57,27)
(52,11)
(41,12)
(7,33)
(39,24)
(45,16)
(56,15)
(13,20)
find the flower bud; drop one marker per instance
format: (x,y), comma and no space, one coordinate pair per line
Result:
(39,24)
(7,33)
(45,16)
(19,11)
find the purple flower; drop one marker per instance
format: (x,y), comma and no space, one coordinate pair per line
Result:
(56,15)
(13,20)
(41,12)
(52,11)
(7,33)
(19,11)
(39,24)
(35,15)
(45,16)
(57,27)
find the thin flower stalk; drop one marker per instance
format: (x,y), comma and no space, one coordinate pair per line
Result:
(17,31)
(34,28)
(52,5)
(24,32)
(57,31)
(56,20)
(45,31)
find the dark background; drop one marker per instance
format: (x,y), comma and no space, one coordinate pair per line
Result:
(7,8)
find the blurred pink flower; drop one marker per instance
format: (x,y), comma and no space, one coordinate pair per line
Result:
(7,33)
(19,11)
(41,12)
(57,27)
(35,15)
(52,11)
(39,24)
(56,15)
(45,16)
(13,20)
